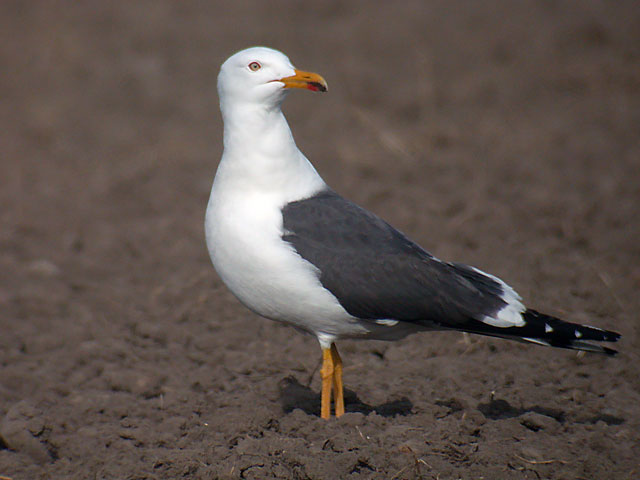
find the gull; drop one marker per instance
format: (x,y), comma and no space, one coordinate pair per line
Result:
(293,250)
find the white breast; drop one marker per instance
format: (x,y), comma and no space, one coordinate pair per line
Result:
(244,236)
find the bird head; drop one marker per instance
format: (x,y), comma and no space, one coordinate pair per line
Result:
(263,75)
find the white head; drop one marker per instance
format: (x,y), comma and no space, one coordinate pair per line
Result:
(262,76)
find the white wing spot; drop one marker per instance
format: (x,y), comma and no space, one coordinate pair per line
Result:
(386,322)
(578,334)
(506,318)
(511,314)
(548,328)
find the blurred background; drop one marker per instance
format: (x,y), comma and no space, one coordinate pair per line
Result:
(501,134)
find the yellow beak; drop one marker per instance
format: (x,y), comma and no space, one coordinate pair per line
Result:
(310,81)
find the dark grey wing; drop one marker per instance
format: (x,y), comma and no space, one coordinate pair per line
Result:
(376,272)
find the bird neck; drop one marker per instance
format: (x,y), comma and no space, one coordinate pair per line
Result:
(259,149)
(251,129)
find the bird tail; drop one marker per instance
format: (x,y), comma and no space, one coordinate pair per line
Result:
(551,331)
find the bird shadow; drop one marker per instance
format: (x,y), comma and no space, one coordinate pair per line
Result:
(499,409)
(295,395)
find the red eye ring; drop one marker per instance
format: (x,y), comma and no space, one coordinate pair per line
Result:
(254,66)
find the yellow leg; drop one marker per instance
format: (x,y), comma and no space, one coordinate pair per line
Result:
(326,372)
(337,381)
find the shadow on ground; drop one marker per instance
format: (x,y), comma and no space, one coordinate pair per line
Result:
(295,395)
(498,409)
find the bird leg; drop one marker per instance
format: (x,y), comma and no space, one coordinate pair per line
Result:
(337,381)
(331,373)
(326,372)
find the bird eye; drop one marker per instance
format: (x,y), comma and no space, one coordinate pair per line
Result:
(254,66)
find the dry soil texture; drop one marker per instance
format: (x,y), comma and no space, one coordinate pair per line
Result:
(500,134)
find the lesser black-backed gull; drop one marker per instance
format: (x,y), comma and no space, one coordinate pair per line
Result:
(293,250)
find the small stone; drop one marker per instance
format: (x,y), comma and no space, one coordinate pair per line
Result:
(536,422)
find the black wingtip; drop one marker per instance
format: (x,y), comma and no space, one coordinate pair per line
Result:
(562,334)
(588,347)
(543,329)
(611,336)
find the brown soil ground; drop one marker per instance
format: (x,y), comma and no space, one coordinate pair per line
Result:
(500,134)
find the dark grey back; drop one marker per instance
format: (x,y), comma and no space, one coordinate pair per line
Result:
(376,272)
